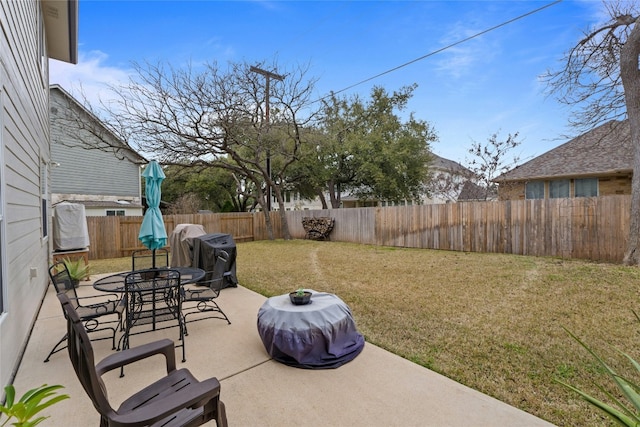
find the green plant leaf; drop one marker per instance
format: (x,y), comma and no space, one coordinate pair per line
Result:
(609,410)
(630,390)
(626,415)
(10,391)
(32,402)
(620,404)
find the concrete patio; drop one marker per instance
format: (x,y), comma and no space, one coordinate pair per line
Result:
(376,388)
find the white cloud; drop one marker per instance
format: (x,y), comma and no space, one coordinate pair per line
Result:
(90,78)
(463,59)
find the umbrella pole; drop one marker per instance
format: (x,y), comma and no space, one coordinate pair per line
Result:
(153,258)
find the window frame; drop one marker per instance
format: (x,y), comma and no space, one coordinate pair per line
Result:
(584,180)
(44,199)
(535,191)
(559,185)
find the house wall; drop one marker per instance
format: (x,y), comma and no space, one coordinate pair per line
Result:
(103,211)
(614,185)
(607,186)
(24,153)
(88,174)
(511,191)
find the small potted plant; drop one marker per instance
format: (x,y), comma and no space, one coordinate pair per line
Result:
(300,297)
(78,270)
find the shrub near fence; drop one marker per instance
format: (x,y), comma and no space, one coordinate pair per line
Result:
(586,228)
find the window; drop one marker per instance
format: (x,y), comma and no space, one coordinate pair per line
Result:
(534,190)
(113,212)
(42,50)
(559,188)
(44,197)
(586,187)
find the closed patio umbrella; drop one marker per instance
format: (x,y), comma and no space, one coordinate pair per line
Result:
(152,232)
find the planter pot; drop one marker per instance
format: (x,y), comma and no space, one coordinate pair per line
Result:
(300,299)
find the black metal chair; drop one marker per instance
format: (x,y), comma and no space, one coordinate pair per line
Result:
(91,309)
(177,399)
(146,258)
(154,296)
(202,295)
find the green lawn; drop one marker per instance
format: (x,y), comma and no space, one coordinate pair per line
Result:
(491,322)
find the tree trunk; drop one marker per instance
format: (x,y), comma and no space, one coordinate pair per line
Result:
(323,200)
(286,234)
(335,199)
(631,81)
(267,214)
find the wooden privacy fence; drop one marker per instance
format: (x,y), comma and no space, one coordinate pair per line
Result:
(586,228)
(117,236)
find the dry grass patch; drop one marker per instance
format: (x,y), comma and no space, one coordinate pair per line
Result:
(491,322)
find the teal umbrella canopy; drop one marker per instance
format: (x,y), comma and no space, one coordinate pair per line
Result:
(153,234)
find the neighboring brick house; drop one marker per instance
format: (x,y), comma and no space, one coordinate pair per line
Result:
(106,181)
(597,163)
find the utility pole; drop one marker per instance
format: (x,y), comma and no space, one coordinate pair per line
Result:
(268,76)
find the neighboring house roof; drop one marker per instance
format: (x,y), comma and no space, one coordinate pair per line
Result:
(471,191)
(446,165)
(61,27)
(605,150)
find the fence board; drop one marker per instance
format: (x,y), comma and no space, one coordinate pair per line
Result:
(587,228)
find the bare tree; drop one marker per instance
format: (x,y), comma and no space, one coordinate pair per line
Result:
(215,117)
(188,203)
(490,160)
(601,77)
(446,185)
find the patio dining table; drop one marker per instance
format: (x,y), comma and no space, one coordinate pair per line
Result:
(115,282)
(151,296)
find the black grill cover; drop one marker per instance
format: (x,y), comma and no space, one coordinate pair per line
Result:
(205,253)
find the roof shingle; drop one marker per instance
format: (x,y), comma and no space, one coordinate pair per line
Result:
(604,150)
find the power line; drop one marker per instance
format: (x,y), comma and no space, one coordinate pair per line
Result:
(495,27)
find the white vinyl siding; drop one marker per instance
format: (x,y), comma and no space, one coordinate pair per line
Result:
(24,122)
(85,171)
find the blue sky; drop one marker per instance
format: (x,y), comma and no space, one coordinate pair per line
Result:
(467,92)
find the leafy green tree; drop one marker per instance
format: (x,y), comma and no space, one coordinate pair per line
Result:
(368,150)
(215,189)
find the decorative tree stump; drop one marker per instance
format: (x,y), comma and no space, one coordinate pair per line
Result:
(317,228)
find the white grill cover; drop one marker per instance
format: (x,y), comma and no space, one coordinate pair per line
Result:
(69,227)
(181,243)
